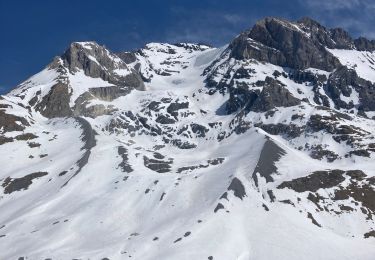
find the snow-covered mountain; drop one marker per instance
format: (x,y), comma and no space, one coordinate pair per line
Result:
(261,149)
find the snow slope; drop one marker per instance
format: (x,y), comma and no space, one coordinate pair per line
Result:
(168,174)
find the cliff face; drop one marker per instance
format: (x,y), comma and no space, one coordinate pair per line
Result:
(285,44)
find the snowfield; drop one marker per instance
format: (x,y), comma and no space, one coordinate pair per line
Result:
(166,173)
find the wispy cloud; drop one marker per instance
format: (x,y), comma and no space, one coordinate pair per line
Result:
(234,18)
(356,16)
(208,35)
(207,26)
(333,4)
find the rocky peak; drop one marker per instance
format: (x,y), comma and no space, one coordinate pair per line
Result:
(83,56)
(283,43)
(314,29)
(95,60)
(297,45)
(341,38)
(273,21)
(107,77)
(336,38)
(98,62)
(363,44)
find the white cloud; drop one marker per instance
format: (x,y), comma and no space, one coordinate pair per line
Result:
(207,26)
(332,4)
(355,16)
(234,18)
(206,35)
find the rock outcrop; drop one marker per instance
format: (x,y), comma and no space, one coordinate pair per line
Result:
(273,95)
(56,102)
(282,43)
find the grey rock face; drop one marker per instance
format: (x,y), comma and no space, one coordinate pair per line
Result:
(192,47)
(127,57)
(241,98)
(8,122)
(174,107)
(159,166)
(294,46)
(339,83)
(101,93)
(124,164)
(265,167)
(238,189)
(363,44)
(199,130)
(93,110)
(83,108)
(77,57)
(300,76)
(342,81)
(274,94)
(297,45)
(315,181)
(342,39)
(162,119)
(108,93)
(183,145)
(11,185)
(89,59)
(133,80)
(243,48)
(336,38)
(56,102)
(282,43)
(358,188)
(318,32)
(98,62)
(4,139)
(288,131)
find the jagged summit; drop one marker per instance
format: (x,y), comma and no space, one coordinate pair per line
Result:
(283,43)
(97,62)
(335,38)
(297,45)
(261,149)
(270,19)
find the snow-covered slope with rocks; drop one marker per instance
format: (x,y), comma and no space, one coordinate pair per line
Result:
(261,149)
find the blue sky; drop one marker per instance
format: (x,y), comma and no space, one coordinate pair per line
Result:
(34,31)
